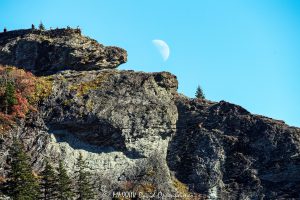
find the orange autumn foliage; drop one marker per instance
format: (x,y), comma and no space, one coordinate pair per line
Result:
(28,89)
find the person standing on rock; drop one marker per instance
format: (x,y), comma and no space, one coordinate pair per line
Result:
(4,30)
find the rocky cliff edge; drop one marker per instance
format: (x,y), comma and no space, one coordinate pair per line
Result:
(137,133)
(45,52)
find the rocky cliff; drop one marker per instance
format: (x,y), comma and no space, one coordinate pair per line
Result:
(222,149)
(137,133)
(48,52)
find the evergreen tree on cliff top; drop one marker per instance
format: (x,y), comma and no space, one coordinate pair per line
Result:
(41,26)
(22,184)
(64,189)
(84,186)
(199,93)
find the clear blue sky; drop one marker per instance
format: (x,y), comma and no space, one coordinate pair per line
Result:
(245,51)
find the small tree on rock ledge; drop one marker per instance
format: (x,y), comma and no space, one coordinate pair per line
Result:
(199,93)
(41,26)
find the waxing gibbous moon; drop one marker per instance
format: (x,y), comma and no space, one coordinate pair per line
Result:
(163,48)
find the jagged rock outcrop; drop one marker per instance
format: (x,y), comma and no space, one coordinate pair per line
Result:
(48,52)
(138,134)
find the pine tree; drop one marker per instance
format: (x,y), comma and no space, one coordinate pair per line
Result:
(41,26)
(85,189)
(9,97)
(199,93)
(49,182)
(22,184)
(64,189)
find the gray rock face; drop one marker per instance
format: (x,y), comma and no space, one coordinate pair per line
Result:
(137,133)
(112,108)
(222,150)
(121,122)
(47,52)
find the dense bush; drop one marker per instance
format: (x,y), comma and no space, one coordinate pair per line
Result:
(20,92)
